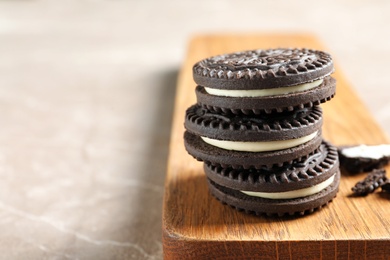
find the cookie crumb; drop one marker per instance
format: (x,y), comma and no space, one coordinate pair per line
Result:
(375,179)
(386,186)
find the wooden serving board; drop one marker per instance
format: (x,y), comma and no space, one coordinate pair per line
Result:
(197,226)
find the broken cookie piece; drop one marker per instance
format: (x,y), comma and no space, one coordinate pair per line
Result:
(386,186)
(374,180)
(364,158)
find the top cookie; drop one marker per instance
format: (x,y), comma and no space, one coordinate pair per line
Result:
(262,69)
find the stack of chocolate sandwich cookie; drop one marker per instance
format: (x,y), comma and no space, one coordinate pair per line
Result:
(257,128)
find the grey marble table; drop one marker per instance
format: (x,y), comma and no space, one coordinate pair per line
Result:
(86,98)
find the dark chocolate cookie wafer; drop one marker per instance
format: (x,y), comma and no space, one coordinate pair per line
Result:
(237,159)
(264,80)
(301,174)
(279,207)
(282,126)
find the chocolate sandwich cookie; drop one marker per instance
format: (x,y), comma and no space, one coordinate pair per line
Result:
(211,154)
(300,174)
(296,125)
(264,81)
(252,140)
(271,207)
(299,188)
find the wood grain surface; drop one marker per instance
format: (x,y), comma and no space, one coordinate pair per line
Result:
(197,226)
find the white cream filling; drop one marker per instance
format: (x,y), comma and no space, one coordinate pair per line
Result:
(364,151)
(258,146)
(264,92)
(294,193)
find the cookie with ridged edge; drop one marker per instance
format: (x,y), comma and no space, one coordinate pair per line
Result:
(282,126)
(300,174)
(203,151)
(275,207)
(262,69)
(267,104)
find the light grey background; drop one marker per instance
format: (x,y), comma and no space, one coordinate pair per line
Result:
(86,97)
